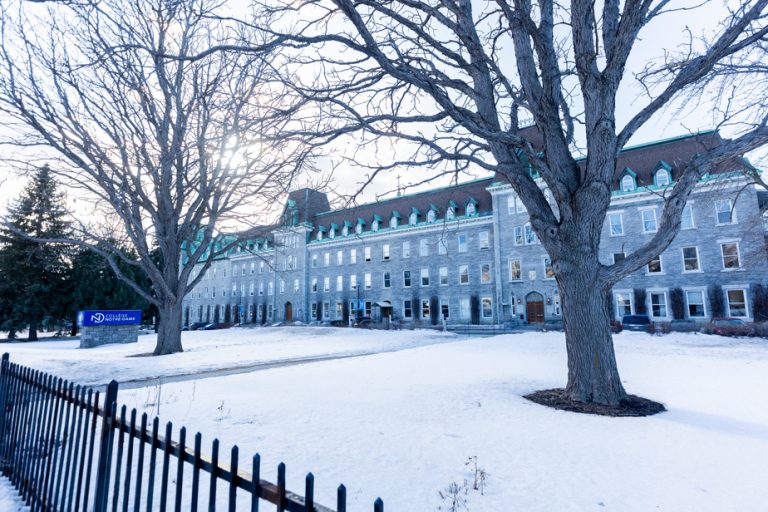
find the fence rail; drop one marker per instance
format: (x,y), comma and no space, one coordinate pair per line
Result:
(65,448)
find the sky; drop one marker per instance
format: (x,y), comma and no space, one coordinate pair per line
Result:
(665,33)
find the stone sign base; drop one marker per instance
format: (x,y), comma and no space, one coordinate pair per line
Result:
(97,335)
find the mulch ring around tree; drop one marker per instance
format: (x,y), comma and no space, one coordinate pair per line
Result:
(630,406)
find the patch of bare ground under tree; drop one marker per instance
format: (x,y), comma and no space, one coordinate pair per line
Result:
(630,406)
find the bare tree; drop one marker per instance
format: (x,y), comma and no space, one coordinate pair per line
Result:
(454,78)
(175,142)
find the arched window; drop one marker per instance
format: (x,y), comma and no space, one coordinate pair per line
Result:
(450,214)
(375,225)
(471,209)
(431,216)
(319,235)
(332,232)
(393,222)
(413,219)
(345,230)
(662,178)
(359,228)
(627,183)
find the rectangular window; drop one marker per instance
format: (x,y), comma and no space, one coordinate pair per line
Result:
(443,273)
(724,211)
(616,224)
(691,259)
(261,287)
(253,268)
(618,256)
(654,266)
(385,252)
(463,274)
(730,252)
(368,305)
(519,240)
(737,303)
(623,303)
(282,286)
(261,264)
(326,310)
(686,221)
(464,311)
(327,258)
(406,249)
(515,270)
(339,283)
(658,304)
(695,300)
(485,273)
(511,206)
(548,272)
(295,286)
(530,236)
(425,277)
(425,308)
(314,285)
(353,282)
(339,257)
(387,280)
(423,248)
(250,290)
(367,282)
(442,246)
(406,278)
(271,288)
(407,309)
(649,220)
(314,310)
(484,240)
(445,310)
(462,239)
(314,263)
(326,284)
(339,310)
(487,307)
(367,253)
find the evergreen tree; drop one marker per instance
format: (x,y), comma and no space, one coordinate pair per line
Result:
(35,281)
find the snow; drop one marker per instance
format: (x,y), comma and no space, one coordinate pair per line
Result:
(402,425)
(9,497)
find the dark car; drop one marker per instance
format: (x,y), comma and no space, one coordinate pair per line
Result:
(730,327)
(636,322)
(214,326)
(197,325)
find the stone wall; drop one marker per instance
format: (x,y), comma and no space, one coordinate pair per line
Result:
(97,335)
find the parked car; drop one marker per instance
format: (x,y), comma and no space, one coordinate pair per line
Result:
(636,322)
(197,325)
(730,327)
(214,326)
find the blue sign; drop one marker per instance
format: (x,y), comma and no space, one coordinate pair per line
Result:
(109,317)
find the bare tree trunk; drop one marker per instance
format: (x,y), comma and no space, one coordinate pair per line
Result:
(592,372)
(32,332)
(169,329)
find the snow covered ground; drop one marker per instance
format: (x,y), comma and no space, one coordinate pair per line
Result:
(9,497)
(402,425)
(209,350)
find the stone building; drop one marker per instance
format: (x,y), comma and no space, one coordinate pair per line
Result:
(467,253)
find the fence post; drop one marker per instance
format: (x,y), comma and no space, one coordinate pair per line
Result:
(3,395)
(105,449)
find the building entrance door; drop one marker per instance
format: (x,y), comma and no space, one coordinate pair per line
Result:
(288,312)
(534,308)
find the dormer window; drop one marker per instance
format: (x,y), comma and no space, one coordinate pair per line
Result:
(432,214)
(662,178)
(332,232)
(320,232)
(376,223)
(394,220)
(413,219)
(471,208)
(345,229)
(628,181)
(360,225)
(450,214)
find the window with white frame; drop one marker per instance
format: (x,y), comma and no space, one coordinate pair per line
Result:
(375,225)
(511,204)
(691,259)
(423,247)
(627,183)
(345,230)
(530,235)
(724,212)
(549,273)
(367,253)
(386,280)
(425,277)
(319,235)
(314,262)
(295,286)
(368,304)
(261,268)
(407,309)
(406,249)
(686,220)
(425,308)
(250,290)
(464,308)
(443,274)
(413,219)
(485,273)
(261,287)
(695,301)
(314,285)
(282,286)
(234,290)
(326,284)
(326,259)
(463,274)
(339,257)
(662,178)
(654,266)
(623,303)
(519,240)
(737,302)
(658,304)
(442,246)
(450,214)
(326,309)
(253,268)
(339,283)
(615,224)
(431,216)
(730,253)
(271,288)
(406,278)
(353,256)
(486,305)
(471,209)
(339,309)
(385,252)
(515,270)
(484,239)
(393,221)
(649,220)
(359,228)
(367,281)
(314,310)
(353,282)
(462,242)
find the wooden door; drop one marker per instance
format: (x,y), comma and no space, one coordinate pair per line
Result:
(288,311)
(535,312)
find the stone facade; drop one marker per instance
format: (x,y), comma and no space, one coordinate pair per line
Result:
(467,253)
(97,335)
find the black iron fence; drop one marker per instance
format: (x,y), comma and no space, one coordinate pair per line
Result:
(69,448)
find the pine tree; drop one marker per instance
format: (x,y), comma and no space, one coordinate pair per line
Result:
(35,282)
